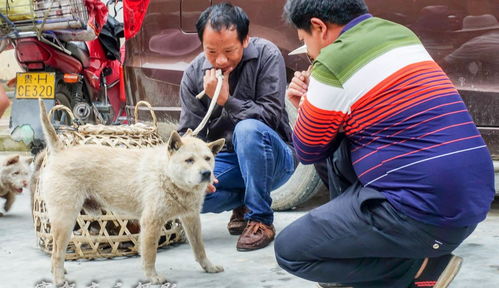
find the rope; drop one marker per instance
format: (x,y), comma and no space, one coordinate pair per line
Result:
(212,104)
(44,19)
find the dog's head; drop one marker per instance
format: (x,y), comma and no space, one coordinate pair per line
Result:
(14,173)
(191,159)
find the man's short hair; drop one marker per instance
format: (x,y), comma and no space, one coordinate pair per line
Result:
(340,12)
(224,15)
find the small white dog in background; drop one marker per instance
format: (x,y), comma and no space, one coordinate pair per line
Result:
(150,184)
(14,176)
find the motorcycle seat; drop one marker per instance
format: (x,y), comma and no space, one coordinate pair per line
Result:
(80,51)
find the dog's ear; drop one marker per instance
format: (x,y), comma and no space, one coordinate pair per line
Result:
(188,132)
(29,160)
(12,160)
(174,142)
(217,145)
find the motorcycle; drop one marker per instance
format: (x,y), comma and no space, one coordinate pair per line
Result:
(76,64)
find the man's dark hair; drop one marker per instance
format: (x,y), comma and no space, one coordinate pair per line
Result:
(340,12)
(224,15)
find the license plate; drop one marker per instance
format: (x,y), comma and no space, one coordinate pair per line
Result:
(35,85)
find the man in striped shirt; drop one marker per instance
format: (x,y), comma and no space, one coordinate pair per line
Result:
(410,173)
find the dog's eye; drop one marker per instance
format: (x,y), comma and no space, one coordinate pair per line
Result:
(189,160)
(17,173)
(207,158)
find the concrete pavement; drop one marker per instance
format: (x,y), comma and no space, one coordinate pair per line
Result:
(23,264)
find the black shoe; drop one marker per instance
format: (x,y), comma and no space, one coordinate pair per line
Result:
(439,272)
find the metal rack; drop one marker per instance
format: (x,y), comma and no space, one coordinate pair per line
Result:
(41,15)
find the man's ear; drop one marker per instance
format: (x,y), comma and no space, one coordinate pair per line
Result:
(319,26)
(246,41)
(174,142)
(216,146)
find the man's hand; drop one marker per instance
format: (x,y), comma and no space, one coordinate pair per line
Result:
(298,87)
(211,187)
(210,85)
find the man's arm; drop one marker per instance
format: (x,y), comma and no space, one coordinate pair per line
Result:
(4,101)
(270,90)
(320,117)
(193,110)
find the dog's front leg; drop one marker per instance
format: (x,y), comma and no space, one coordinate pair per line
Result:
(150,230)
(192,227)
(10,197)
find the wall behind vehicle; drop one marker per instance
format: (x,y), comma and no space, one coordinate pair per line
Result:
(8,65)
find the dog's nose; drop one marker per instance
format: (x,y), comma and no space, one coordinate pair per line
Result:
(206,176)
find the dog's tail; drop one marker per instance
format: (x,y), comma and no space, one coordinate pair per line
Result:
(53,142)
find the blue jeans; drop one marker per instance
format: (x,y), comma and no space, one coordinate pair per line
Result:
(260,163)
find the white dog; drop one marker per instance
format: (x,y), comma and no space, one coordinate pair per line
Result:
(150,184)
(14,176)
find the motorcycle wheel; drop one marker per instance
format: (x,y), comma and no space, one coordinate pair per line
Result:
(63,97)
(302,185)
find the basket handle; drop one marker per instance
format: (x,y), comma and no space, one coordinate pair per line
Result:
(62,107)
(145,103)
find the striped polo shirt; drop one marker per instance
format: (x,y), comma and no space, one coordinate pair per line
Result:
(411,135)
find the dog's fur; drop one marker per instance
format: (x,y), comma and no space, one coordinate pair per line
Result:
(14,176)
(151,184)
(35,176)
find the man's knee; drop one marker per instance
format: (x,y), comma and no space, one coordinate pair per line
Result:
(247,132)
(284,253)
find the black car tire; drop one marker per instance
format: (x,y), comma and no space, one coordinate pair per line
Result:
(303,184)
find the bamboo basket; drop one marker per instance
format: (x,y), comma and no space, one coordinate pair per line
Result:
(107,235)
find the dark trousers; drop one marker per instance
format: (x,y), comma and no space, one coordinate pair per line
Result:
(358,239)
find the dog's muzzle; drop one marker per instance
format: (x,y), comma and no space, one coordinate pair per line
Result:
(205,176)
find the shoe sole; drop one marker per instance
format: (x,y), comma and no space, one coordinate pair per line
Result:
(449,273)
(241,249)
(250,249)
(246,250)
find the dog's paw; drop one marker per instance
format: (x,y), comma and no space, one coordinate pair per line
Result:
(157,279)
(1,214)
(210,267)
(61,283)
(214,269)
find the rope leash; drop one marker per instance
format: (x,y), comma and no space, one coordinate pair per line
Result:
(201,125)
